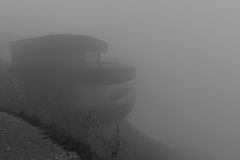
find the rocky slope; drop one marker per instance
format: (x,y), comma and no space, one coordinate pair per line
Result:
(21,141)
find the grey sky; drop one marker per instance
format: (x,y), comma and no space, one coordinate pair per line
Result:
(187,52)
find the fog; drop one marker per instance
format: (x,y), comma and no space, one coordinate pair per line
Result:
(187,58)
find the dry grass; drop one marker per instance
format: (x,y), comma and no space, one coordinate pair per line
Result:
(75,130)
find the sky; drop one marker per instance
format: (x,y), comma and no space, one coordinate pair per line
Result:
(186,53)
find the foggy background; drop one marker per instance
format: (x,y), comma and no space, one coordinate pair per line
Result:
(187,58)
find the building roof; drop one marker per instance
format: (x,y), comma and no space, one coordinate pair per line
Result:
(60,41)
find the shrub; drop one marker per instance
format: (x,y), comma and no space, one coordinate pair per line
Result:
(71,128)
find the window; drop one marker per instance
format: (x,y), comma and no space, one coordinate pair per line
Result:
(75,59)
(92,56)
(92,94)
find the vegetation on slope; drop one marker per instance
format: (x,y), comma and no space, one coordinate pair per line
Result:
(75,130)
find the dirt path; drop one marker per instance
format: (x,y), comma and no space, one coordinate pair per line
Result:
(21,141)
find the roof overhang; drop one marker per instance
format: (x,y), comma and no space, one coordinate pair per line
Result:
(60,41)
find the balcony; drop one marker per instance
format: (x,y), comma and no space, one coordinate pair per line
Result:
(107,103)
(86,74)
(108,113)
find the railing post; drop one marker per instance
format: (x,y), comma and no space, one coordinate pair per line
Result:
(99,58)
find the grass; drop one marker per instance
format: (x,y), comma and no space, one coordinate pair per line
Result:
(74,130)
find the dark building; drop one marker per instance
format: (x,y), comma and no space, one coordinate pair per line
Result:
(69,69)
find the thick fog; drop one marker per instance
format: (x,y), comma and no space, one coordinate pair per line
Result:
(187,54)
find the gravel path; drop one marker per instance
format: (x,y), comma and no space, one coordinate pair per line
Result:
(21,141)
